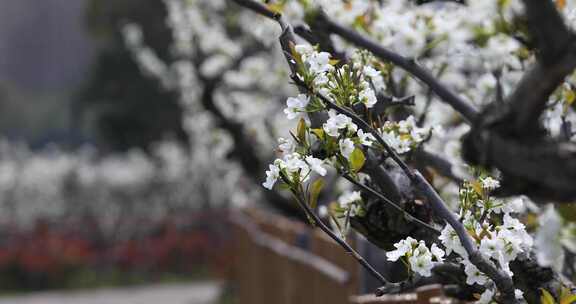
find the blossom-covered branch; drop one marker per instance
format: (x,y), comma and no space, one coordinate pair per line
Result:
(410,65)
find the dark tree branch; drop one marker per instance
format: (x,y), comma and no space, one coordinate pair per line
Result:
(436,162)
(529,99)
(550,33)
(317,221)
(510,137)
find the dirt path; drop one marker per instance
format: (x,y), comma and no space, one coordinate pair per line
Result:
(190,293)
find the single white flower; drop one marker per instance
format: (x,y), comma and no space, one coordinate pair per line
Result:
(421,264)
(316,165)
(319,62)
(294,164)
(271,176)
(346,147)
(491,247)
(366,138)
(437,253)
(473,275)
(347,201)
(519,294)
(406,125)
(296,106)
(402,247)
(336,122)
(367,96)
(304,49)
(375,77)
(451,242)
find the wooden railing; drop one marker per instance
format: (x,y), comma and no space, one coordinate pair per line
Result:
(278,260)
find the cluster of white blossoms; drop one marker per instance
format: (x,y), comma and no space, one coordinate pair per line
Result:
(403,135)
(419,258)
(294,168)
(498,236)
(339,136)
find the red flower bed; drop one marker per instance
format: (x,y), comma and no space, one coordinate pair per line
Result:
(52,252)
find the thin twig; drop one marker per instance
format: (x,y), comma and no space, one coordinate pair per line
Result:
(309,212)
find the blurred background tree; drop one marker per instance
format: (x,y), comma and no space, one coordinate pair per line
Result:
(125,108)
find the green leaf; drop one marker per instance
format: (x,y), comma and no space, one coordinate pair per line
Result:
(357,160)
(315,190)
(276,7)
(568,299)
(301,131)
(319,133)
(546,297)
(567,212)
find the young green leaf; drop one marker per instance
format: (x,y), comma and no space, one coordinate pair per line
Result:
(357,160)
(301,131)
(315,190)
(319,133)
(546,297)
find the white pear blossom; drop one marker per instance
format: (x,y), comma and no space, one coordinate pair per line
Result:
(366,139)
(519,294)
(317,62)
(437,252)
(346,147)
(337,122)
(402,247)
(451,242)
(296,106)
(491,247)
(316,165)
(294,164)
(367,96)
(421,264)
(271,176)
(473,275)
(375,77)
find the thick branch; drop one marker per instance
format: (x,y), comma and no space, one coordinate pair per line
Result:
(547,28)
(529,99)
